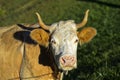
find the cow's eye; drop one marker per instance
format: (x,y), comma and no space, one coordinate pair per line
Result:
(76,40)
(53,41)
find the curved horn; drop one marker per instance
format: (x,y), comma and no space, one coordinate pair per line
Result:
(84,20)
(41,23)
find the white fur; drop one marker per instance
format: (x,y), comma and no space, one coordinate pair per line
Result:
(64,35)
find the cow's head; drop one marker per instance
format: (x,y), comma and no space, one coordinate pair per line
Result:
(62,38)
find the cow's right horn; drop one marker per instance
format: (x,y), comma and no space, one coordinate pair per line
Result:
(41,23)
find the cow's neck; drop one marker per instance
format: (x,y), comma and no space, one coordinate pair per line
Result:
(57,71)
(50,61)
(37,63)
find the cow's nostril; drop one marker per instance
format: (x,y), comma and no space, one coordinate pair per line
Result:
(63,60)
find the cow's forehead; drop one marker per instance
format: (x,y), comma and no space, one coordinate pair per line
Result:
(65,25)
(64,30)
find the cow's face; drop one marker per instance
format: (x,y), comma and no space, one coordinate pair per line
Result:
(63,44)
(62,39)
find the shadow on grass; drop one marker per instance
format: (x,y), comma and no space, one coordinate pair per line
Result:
(102,3)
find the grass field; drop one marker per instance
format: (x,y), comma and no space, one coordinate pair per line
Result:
(97,60)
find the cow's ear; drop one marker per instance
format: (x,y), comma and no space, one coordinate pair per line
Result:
(40,36)
(86,35)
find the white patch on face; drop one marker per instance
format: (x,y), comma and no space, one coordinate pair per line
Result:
(64,35)
(64,40)
(63,24)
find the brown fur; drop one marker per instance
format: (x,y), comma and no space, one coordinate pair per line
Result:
(35,64)
(10,55)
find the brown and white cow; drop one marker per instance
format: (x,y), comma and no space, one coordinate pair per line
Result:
(43,53)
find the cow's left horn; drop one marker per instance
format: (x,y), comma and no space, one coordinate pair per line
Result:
(41,23)
(84,20)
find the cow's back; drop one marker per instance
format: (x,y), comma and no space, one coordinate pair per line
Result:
(10,53)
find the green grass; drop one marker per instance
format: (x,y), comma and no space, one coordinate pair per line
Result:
(97,60)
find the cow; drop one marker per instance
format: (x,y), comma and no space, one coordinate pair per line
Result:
(39,51)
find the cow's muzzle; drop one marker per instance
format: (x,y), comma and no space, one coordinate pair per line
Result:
(67,62)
